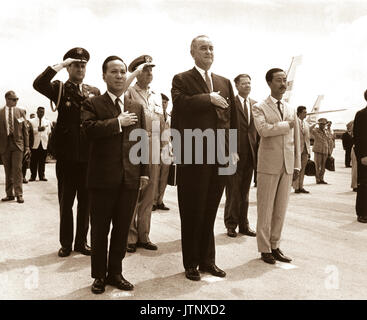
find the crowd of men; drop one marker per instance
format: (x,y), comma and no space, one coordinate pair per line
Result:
(93,146)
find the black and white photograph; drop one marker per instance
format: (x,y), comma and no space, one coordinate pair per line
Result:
(197,152)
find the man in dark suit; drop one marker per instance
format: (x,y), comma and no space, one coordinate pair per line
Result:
(14,144)
(203,101)
(71,146)
(347,140)
(113,180)
(360,148)
(238,184)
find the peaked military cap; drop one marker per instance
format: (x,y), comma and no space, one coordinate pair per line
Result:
(77,53)
(164,97)
(322,120)
(140,60)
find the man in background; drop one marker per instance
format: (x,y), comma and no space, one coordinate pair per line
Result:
(347,140)
(41,130)
(14,145)
(321,149)
(305,149)
(238,184)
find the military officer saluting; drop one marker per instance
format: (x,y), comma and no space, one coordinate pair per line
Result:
(70,145)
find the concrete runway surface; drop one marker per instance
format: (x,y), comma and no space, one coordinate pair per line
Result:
(321,234)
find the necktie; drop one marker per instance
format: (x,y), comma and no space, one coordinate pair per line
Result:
(246,111)
(10,121)
(117,101)
(208,82)
(40,122)
(280,110)
(78,89)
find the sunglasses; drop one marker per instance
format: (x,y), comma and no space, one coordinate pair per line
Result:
(13,99)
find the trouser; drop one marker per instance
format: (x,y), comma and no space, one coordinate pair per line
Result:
(361,199)
(71,182)
(320,160)
(161,183)
(38,160)
(199,191)
(114,205)
(12,160)
(354,169)
(140,222)
(348,156)
(298,183)
(272,201)
(237,194)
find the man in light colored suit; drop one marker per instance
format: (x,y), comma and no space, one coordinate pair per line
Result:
(14,141)
(305,149)
(279,159)
(41,130)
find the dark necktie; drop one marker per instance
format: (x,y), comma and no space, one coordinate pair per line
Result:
(117,101)
(246,111)
(78,89)
(208,82)
(280,110)
(10,121)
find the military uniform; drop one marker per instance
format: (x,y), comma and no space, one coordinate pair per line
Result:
(71,151)
(321,149)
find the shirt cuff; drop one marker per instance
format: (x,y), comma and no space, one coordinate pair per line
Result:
(120,128)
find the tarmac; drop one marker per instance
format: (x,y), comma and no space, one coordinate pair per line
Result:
(321,235)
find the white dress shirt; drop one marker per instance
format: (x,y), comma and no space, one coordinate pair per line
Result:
(202,72)
(121,104)
(40,136)
(281,105)
(7,117)
(248,107)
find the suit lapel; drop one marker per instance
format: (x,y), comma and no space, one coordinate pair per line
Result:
(240,108)
(200,81)
(109,104)
(3,119)
(273,107)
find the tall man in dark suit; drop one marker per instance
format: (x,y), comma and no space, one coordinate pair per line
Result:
(360,148)
(238,184)
(203,101)
(113,180)
(14,141)
(71,146)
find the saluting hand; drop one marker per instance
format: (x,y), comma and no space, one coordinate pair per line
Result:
(127,119)
(218,100)
(69,61)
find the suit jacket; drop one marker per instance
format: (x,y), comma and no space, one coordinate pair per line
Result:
(347,140)
(192,108)
(278,144)
(247,133)
(304,136)
(40,136)
(108,163)
(360,134)
(20,132)
(70,141)
(321,142)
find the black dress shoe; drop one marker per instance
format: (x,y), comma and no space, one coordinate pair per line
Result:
(32,179)
(98,285)
(147,245)
(247,232)
(303,191)
(162,207)
(8,198)
(362,219)
(278,255)
(297,191)
(20,199)
(131,247)
(323,182)
(213,270)
(231,233)
(267,257)
(355,189)
(43,179)
(25,180)
(192,274)
(83,249)
(64,252)
(119,282)
(154,207)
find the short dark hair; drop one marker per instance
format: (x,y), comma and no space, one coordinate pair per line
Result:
(164,97)
(242,75)
(9,93)
(269,74)
(111,58)
(300,109)
(365,95)
(40,108)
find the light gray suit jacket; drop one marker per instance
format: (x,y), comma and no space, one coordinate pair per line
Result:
(279,144)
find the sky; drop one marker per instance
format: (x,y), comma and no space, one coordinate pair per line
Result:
(249,36)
